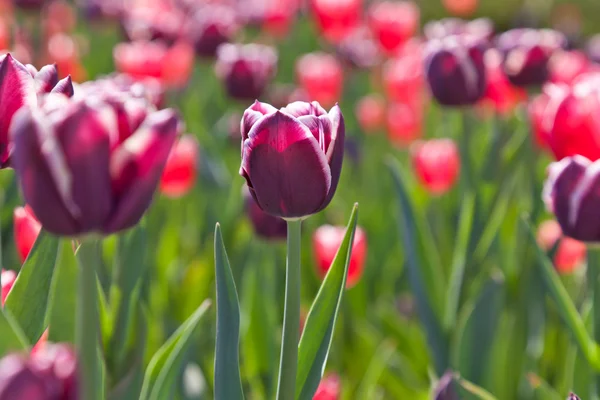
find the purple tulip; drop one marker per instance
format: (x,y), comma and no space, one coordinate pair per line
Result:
(79,172)
(526,53)
(266,226)
(246,69)
(455,69)
(572,193)
(48,374)
(447,387)
(292,157)
(211,26)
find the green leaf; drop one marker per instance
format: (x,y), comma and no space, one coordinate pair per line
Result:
(320,322)
(421,276)
(565,306)
(476,391)
(13,338)
(63,297)
(228,384)
(476,332)
(28,299)
(542,390)
(166,363)
(373,373)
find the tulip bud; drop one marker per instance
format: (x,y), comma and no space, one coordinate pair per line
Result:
(336,19)
(292,157)
(76,173)
(481,28)
(437,164)
(246,69)
(455,70)
(447,388)
(370,112)
(526,53)
(321,76)
(500,94)
(403,78)
(404,123)
(7,280)
(26,230)
(327,240)
(211,26)
(572,192)
(570,253)
(266,226)
(181,169)
(329,388)
(393,23)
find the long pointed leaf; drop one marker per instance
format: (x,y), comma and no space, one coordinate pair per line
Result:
(63,297)
(228,383)
(320,322)
(13,338)
(28,299)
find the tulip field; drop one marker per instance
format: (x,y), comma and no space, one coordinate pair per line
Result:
(299,200)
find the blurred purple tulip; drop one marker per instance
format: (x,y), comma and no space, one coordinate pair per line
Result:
(266,226)
(211,26)
(292,157)
(246,69)
(80,172)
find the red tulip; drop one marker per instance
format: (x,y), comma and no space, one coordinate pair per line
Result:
(403,76)
(393,23)
(336,19)
(7,280)
(437,164)
(156,20)
(370,112)
(570,253)
(326,242)
(274,16)
(181,168)
(567,66)
(404,123)
(292,157)
(500,94)
(329,388)
(62,50)
(321,76)
(26,230)
(462,8)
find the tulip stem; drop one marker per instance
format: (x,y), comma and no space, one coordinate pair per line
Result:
(593,281)
(88,326)
(286,388)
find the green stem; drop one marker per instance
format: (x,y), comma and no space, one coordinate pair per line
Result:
(593,281)
(286,388)
(465,153)
(88,326)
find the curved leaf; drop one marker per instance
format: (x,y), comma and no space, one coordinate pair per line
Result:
(63,299)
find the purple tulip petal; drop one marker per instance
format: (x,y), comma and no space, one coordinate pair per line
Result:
(42,171)
(17,89)
(335,150)
(84,135)
(46,79)
(32,70)
(64,86)
(300,108)
(584,211)
(252,114)
(136,167)
(320,127)
(286,169)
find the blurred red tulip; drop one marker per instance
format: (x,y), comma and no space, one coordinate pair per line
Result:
(566,66)
(403,76)
(329,388)
(501,95)
(181,168)
(336,19)
(274,16)
(321,76)
(570,253)
(59,17)
(404,123)
(393,22)
(4,35)
(148,20)
(62,50)
(461,8)
(326,242)
(370,113)
(26,230)
(7,280)
(437,164)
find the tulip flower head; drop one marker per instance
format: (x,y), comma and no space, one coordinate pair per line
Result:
(336,19)
(181,169)
(500,94)
(7,280)
(455,70)
(526,53)
(265,226)
(246,70)
(393,22)
(370,112)
(570,253)
(26,230)
(211,26)
(321,76)
(404,122)
(567,66)
(329,388)
(79,173)
(292,157)
(326,242)
(403,77)
(437,164)
(571,193)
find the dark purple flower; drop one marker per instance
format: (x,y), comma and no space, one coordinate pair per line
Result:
(246,69)
(266,226)
(455,69)
(572,193)
(292,157)
(81,171)
(210,26)
(447,388)
(526,53)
